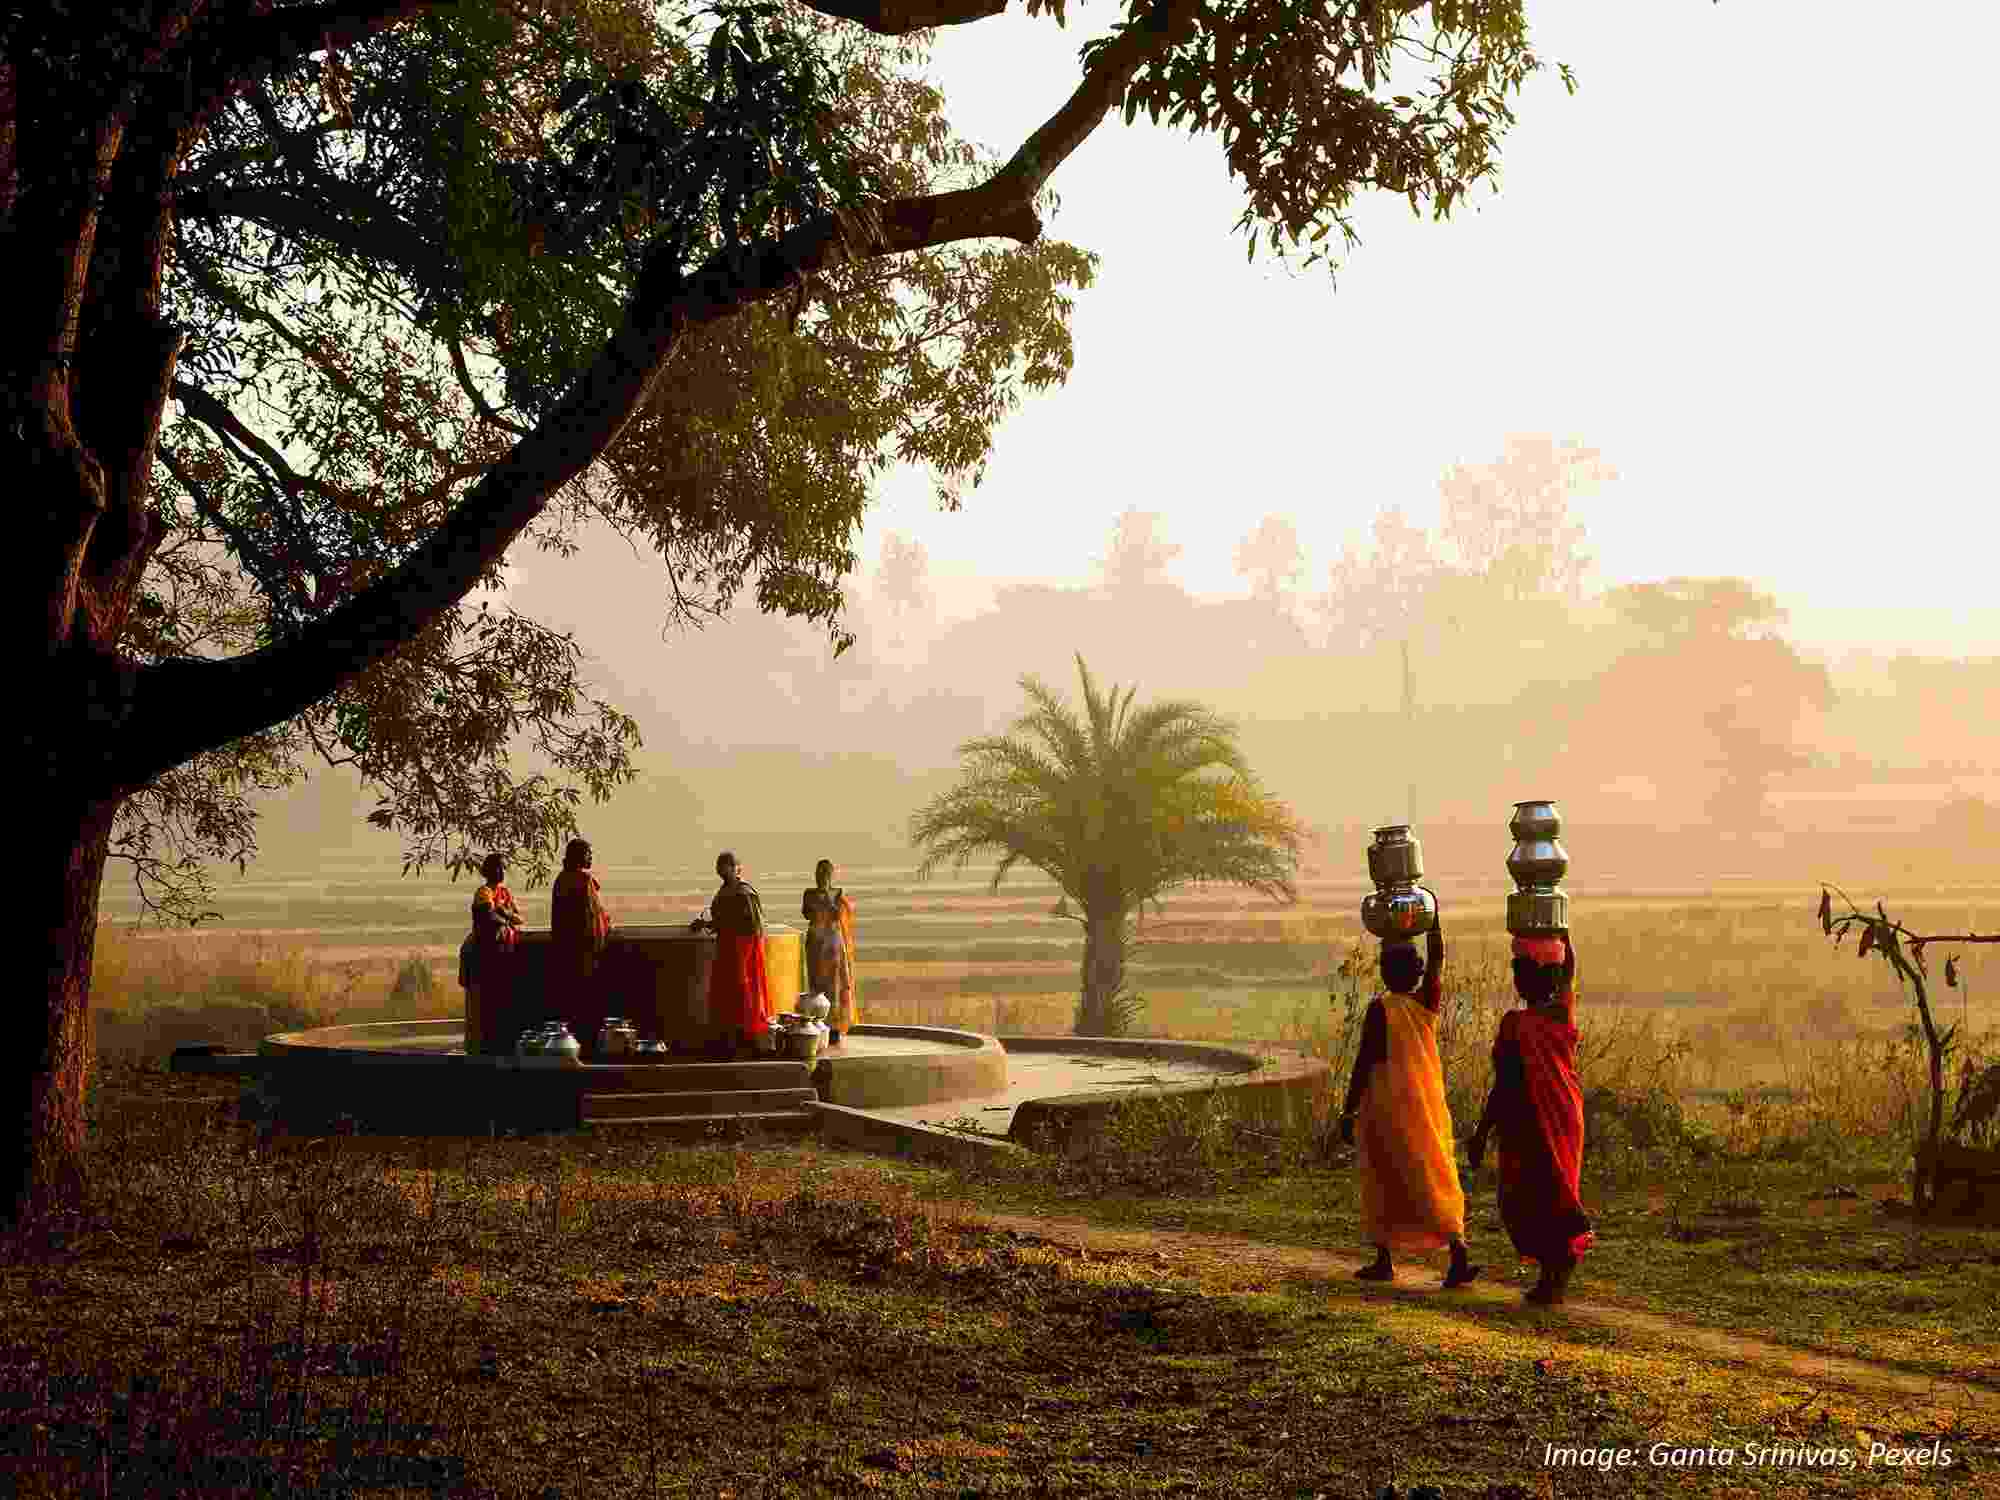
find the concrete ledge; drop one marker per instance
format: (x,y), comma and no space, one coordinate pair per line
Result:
(1274,1090)
(377,1040)
(1218,1056)
(965,1065)
(853,1128)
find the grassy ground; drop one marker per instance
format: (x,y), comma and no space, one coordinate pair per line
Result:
(611,1316)
(615,1317)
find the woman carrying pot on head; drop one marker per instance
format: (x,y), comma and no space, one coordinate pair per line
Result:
(738,994)
(1397,1118)
(486,961)
(578,929)
(829,919)
(1536,1110)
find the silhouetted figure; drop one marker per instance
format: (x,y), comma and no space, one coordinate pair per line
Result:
(578,929)
(487,962)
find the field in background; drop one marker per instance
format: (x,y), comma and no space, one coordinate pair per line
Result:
(1694,991)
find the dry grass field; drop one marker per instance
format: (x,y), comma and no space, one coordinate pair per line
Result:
(1171,1313)
(1688,994)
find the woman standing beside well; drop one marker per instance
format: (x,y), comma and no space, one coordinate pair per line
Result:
(738,992)
(829,919)
(496,924)
(578,929)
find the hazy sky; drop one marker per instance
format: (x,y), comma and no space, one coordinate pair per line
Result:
(1747,261)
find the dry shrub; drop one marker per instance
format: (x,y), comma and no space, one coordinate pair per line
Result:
(152,992)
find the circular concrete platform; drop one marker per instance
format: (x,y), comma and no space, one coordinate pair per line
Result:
(906,1078)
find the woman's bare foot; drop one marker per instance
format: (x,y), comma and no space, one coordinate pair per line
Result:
(1554,1281)
(1461,1270)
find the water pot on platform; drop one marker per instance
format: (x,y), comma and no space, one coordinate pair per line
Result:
(1537,864)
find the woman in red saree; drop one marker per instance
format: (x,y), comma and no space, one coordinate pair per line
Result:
(738,995)
(1536,1108)
(578,929)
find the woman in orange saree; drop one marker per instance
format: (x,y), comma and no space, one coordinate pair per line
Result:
(1406,1161)
(578,929)
(1536,1109)
(738,998)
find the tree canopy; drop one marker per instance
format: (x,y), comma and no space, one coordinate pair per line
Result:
(331,409)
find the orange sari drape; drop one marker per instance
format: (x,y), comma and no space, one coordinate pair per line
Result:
(1411,1198)
(847,1011)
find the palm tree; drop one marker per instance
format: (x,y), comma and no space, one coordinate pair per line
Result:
(1118,808)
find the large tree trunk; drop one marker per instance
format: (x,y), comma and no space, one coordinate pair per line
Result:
(1103,971)
(64,864)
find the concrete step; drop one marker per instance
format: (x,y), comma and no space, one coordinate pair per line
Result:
(698,1127)
(693,1077)
(625,1106)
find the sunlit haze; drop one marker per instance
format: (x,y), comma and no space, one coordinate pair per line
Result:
(1771,313)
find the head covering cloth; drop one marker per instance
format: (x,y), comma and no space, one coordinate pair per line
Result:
(1541,948)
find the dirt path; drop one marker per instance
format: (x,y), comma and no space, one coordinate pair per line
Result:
(1858,1375)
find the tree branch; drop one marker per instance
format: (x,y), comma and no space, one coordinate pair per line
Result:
(227,53)
(479,402)
(355,226)
(251,555)
(215,415)
(900,17)
(182,707)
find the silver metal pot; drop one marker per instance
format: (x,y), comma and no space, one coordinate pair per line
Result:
(803,1043)
(1538,862)
(1538,910)
(1398,911)
(1395,858)
(564,1047)
(1535,819)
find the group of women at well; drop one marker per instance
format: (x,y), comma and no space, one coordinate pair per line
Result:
(580,928)
(1397,1119)
(1395,1113)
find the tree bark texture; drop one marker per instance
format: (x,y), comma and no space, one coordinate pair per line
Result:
(43,1164)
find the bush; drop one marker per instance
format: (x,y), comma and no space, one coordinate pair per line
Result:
(416,983)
